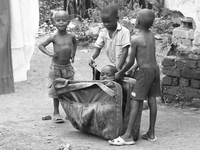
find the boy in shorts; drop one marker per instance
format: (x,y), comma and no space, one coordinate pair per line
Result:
(148,78)
(114,38)
(64,50)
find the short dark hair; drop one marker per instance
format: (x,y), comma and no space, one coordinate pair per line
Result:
(146,17)
(110,9)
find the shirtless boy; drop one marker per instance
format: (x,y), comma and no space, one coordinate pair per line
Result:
(64,50)
(148,78)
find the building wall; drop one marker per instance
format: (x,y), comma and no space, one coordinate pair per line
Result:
(189,8)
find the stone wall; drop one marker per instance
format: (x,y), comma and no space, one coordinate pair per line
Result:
(182,69)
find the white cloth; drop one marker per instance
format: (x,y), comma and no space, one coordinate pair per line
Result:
(24,25)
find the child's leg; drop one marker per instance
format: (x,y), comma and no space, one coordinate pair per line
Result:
(152,118)
(135,106)
(56,114)
(56,106)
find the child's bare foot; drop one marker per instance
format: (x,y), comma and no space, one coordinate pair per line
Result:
(152,138)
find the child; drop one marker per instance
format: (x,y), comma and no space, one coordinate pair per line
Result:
(64,49)
(114,38)
(108,72)
(147,80)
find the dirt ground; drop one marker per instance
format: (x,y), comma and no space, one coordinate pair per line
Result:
(22,127)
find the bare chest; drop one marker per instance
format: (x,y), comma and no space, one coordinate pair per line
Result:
(63,42)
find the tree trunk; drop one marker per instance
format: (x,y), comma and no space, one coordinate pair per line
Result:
(78,7)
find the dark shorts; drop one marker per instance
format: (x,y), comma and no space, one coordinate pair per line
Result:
(59,71)
(147,83)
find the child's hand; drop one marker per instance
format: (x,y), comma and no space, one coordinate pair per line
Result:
(119,75)
(109,84)
(72,60)
(53,55)
(131,72)
(92,63)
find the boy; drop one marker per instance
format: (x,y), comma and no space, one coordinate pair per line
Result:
(148,78)
(64,50)
(114,38)
(108,72)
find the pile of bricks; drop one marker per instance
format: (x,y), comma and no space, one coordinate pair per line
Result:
(182,71)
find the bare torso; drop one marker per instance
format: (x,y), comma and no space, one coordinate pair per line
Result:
(63,47)
(145,55)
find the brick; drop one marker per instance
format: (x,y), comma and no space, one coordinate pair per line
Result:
(174,40)
(183,52)
(169,61)
(185,92)
(167,80)
(192,93)
(179,41)
(183,33)
(193,57)
(191,64)
(195,84)
(186,42)
(184,82)
(187,73)
(195,50)
(196,75)
(180,33)
(190,34)
(175,81)
(175,72)
(180,63)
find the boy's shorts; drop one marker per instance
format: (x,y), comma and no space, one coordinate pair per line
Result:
(147,83)
(59,71)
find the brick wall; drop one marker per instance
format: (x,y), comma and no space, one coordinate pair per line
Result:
(181,81)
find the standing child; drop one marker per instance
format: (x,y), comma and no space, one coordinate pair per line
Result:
(64,50)
(114,38)
(148,78)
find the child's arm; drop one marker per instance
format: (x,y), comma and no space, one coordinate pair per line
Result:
(123,57)
(74,48)
(43,45)
(127,66)
(98,46)
(94,56)
(132,70)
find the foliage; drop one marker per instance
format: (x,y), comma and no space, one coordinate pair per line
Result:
(163,22)
(45,8)
(124,11)
(80,29)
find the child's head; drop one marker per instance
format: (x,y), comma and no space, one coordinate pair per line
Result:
(145,18)
(61,20)
(108,72)
(109,17)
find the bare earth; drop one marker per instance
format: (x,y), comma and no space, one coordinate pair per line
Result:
(22,127)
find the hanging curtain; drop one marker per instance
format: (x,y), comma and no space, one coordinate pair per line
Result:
(6,70)
(24,26)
